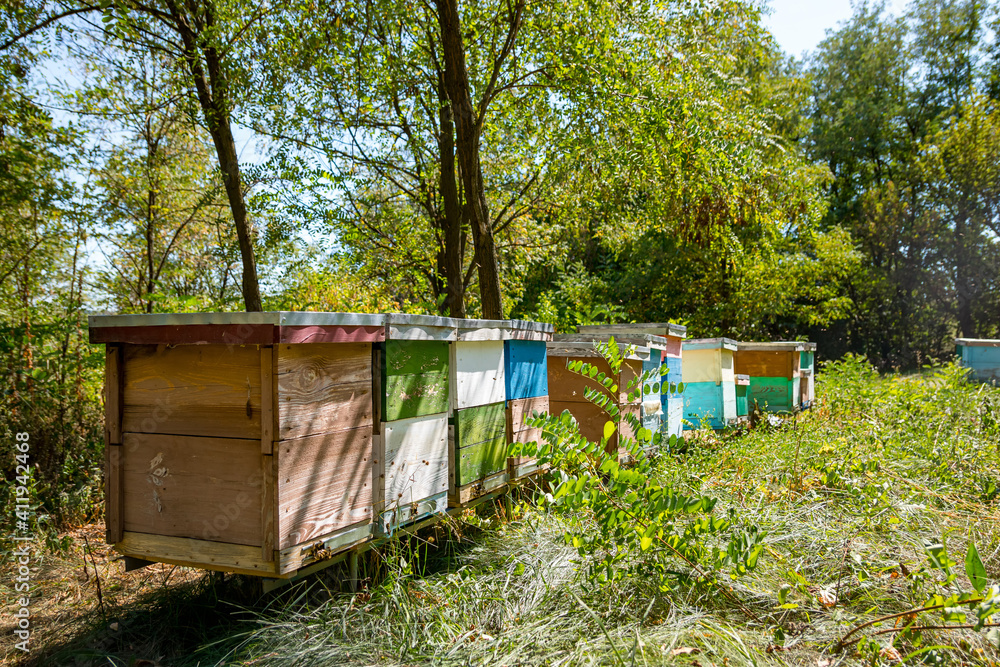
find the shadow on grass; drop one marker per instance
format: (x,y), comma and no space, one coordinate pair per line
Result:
(204,621)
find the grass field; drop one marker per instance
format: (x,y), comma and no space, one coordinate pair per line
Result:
(854,497)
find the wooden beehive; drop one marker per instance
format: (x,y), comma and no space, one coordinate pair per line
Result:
(671,402)
(807,375)
(411,443)
(477,434)
(773,367)
(709,383)
(239,442)
(742,404)
(526,387)
(567,389)
(981,356)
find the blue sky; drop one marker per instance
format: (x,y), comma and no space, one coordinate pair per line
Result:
(800,25)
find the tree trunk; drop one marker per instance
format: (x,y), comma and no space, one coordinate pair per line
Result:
(963,268)
(225,146)
(456,77)
(210,83)
(455,299)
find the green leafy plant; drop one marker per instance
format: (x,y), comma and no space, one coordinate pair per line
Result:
(633,526)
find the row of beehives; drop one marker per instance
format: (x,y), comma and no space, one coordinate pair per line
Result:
(981,356)
(262,442)
(722,380)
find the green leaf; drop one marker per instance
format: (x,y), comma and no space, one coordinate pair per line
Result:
(609,429)
(974,568)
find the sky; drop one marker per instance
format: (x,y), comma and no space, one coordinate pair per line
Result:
(800,25)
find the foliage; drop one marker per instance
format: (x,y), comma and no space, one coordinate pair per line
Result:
(634,526)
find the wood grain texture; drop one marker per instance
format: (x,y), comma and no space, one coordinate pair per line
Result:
(235,558)
(415,460)
(201,390)
(476,373)
(764,363)
(268,508)
(330,334)
(479,424)
(267,399)
(411,357)
(398,516)
(525,372)
(324,484)
(470,492)
(565,385)
(195,487)
(186,334)
(114,497)
(114,371)
(408,396)
(323,387)
(476,462)
(518,409)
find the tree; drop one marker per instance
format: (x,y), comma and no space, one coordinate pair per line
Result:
(212,45)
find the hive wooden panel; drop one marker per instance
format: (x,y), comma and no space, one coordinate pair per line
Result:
(408,396)
(565,385)
(194,487)
(742,389)
(761,363)
(323,387)
(411,357)
(774,394)
(707,365)
(324,483)
(203,390)
(477,462)
(520,409)
(413,461)
(474,425)
(477,373)
(525,373)
(235,558)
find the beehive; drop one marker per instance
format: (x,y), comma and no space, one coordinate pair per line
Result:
(709,383)
(981,356)
(773,367)
(671,402)
(527,387)
(239,442)
(411,444)
(567,389)
(477,431)
(807,375)
(742,405)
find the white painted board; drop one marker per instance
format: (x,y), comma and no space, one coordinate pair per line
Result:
(476,373)
(414,461)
